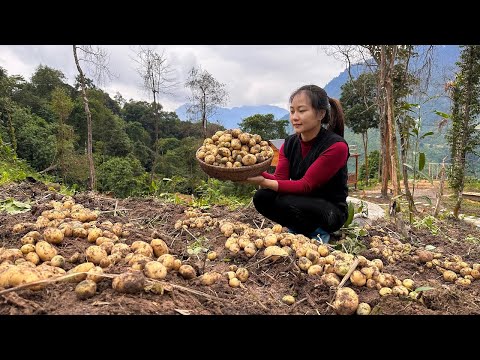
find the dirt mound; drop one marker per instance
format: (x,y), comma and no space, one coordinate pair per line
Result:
(267,283)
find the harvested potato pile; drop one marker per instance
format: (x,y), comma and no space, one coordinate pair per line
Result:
(234,149)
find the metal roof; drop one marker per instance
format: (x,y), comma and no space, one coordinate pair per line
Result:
(277,143)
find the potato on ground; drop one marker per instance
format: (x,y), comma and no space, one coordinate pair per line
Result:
(187,272)
(129,282)
(53,235)
(45,251)
(155,270)
(95,254)
(159,247)
(346,301)
(86,289)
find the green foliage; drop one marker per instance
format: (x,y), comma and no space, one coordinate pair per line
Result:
(373,165)
(428,222)
(36,139)
(122,176)
(216,192)
(463,137)
(265,126)
(12,206)
(359,103)
(351,232)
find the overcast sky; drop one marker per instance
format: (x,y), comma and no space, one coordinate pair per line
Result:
(253,74)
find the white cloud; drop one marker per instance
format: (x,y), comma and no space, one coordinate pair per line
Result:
(253,74)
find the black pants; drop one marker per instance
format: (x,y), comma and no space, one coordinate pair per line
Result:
(300,213)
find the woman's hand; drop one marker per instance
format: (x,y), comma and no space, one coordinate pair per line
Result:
(255,180)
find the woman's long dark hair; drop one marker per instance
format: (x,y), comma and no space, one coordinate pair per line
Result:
(320,101)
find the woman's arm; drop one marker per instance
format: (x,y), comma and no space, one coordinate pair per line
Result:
(322,170)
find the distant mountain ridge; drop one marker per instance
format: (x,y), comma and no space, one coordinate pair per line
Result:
(230,118)
(445,59)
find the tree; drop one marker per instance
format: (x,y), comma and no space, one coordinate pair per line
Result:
(62,106)
(207,94)
(359,104)
(7,86)
(463,137)
(265,126)
(158,78)
(97,57)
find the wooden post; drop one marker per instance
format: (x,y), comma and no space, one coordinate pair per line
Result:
(356,171)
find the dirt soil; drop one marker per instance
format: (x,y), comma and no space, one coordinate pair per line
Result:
(268,282)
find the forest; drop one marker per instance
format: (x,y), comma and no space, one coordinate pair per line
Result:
(102,200)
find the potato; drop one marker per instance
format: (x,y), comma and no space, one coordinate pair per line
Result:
(94,274)
(159,247)
(85,267)
(210,278)
(304,263)
(177,263)
(155,270)
(129,282)
(94,234)
(53,235)
(330,279)
(122,249)
(449,276)
(141,247)
(95,254)
(234,282)
(45,251)
(274,252)
(364,309)
(23,275)
(358,278)
(187,272)
(167,260)
(288,299)
(33,258)
(346,301)
(27,248)
(212,255)
(242,274)
(58,261)
(85,289)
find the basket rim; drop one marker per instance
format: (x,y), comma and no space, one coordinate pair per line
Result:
(232,169)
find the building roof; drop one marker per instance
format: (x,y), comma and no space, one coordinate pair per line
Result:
(277,143)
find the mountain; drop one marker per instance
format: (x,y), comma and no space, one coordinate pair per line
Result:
(230,118)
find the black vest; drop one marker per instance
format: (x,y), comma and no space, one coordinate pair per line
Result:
(336,189)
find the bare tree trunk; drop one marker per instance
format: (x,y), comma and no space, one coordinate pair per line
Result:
(91,165)
(440,190)
(391,119)
(156,124)
(403,154)
(385,158)
(365,149)
(204,116)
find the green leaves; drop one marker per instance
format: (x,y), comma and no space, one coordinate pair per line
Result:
(12,206)
(351,211)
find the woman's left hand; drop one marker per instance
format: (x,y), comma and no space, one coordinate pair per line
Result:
(255,180)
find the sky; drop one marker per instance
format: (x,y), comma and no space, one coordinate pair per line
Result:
(252,74)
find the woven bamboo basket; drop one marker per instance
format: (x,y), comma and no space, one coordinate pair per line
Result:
(234,174)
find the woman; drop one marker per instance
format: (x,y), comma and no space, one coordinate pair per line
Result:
(308,191)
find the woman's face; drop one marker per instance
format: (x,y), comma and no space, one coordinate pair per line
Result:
(303,117)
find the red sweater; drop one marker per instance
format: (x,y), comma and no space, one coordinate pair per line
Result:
(326,165)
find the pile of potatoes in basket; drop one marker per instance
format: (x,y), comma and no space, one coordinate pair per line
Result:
(234,148)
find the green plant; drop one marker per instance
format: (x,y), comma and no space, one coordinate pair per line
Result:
(428,222)
(352,232)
